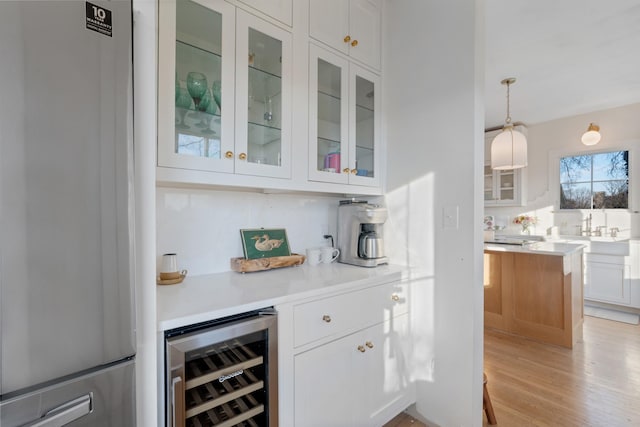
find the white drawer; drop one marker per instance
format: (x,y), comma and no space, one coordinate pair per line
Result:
(345,313)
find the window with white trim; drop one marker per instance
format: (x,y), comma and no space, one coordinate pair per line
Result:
(595,181)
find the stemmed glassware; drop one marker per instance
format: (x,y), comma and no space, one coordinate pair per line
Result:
(183,102)
(203,107)
(217,93)
(197,86)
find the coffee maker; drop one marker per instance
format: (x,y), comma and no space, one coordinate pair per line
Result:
(360,238)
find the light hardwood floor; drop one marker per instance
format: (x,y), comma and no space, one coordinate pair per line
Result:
(597,384)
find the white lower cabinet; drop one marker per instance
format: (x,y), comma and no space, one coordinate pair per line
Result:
(607,279)
(344,358)
(353,380)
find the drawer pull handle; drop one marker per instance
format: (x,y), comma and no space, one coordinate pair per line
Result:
(395,297)
(361,349)
(326,318)
(369,344)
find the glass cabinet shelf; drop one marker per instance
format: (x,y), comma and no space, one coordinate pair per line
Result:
(261,134)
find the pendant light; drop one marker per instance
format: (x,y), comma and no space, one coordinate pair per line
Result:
(592,135)
(509,147)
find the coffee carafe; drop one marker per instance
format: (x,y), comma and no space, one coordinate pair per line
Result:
(360,236)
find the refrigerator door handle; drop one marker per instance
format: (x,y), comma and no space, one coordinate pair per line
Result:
(177,404)
(65,413)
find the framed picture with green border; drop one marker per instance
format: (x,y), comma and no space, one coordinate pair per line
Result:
(264,243)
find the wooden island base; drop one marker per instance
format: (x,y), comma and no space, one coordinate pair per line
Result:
(537,296)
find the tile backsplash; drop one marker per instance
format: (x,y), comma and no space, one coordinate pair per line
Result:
(202,226)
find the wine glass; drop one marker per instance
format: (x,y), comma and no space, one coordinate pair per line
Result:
(183,102)
(210,112)
(217,87)
(205,101)
(197,86)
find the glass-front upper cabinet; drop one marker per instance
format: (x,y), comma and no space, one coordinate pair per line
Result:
(343,121)
(263,98)
(502,187)
(196,58)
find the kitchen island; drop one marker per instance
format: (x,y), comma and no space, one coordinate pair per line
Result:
(535,290)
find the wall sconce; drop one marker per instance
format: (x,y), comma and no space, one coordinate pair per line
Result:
(592,135)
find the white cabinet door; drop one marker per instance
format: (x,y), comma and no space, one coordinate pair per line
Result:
(344,121)
(364,28)
(382,368)
(351,27)
(329,23)
(196,37)
(324,385)
(277,9)
(328,116)
(263,98)
(607,281)
(364,127)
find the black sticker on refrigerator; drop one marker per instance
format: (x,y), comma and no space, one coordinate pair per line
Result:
(99,19)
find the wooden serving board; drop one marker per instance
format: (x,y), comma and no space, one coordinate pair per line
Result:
(242,265)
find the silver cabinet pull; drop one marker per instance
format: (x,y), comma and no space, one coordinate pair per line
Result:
(177,402)
(65,413)
(326,318)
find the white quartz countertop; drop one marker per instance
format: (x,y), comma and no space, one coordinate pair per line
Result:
(542,248)
(202,298)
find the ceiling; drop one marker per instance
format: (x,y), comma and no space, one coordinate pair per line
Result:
(569,57)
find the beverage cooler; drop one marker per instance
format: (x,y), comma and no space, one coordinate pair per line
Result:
(223,373)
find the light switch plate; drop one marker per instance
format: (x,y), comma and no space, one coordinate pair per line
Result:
(450,217)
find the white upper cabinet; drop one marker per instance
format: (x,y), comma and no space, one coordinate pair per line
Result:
(352,27)
(502,187)
(343,121)
(214,53)
(282,10)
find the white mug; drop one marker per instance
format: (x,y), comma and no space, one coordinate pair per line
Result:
(169,263)
(314,256)
(329,254)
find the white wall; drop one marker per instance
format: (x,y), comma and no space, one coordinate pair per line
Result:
(144,15)
(203,226)
(434,122)
(620,129)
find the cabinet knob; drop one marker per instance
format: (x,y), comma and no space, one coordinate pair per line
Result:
(228,154)
(354,171)
(361,349)
(354,43)
(326,318)
(395,297)
(242,156)
(347,39)
(369,344)
(346,170)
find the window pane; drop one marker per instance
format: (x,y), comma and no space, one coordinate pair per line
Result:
(607,166)
(610,194)
(575,196)
(575,169)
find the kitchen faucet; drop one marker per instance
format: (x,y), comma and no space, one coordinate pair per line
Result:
(587,230)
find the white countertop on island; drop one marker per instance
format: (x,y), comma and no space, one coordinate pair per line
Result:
(208,297)
(542,248)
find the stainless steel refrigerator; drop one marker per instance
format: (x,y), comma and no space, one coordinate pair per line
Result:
(66,222)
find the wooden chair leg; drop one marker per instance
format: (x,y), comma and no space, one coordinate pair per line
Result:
(486,403)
